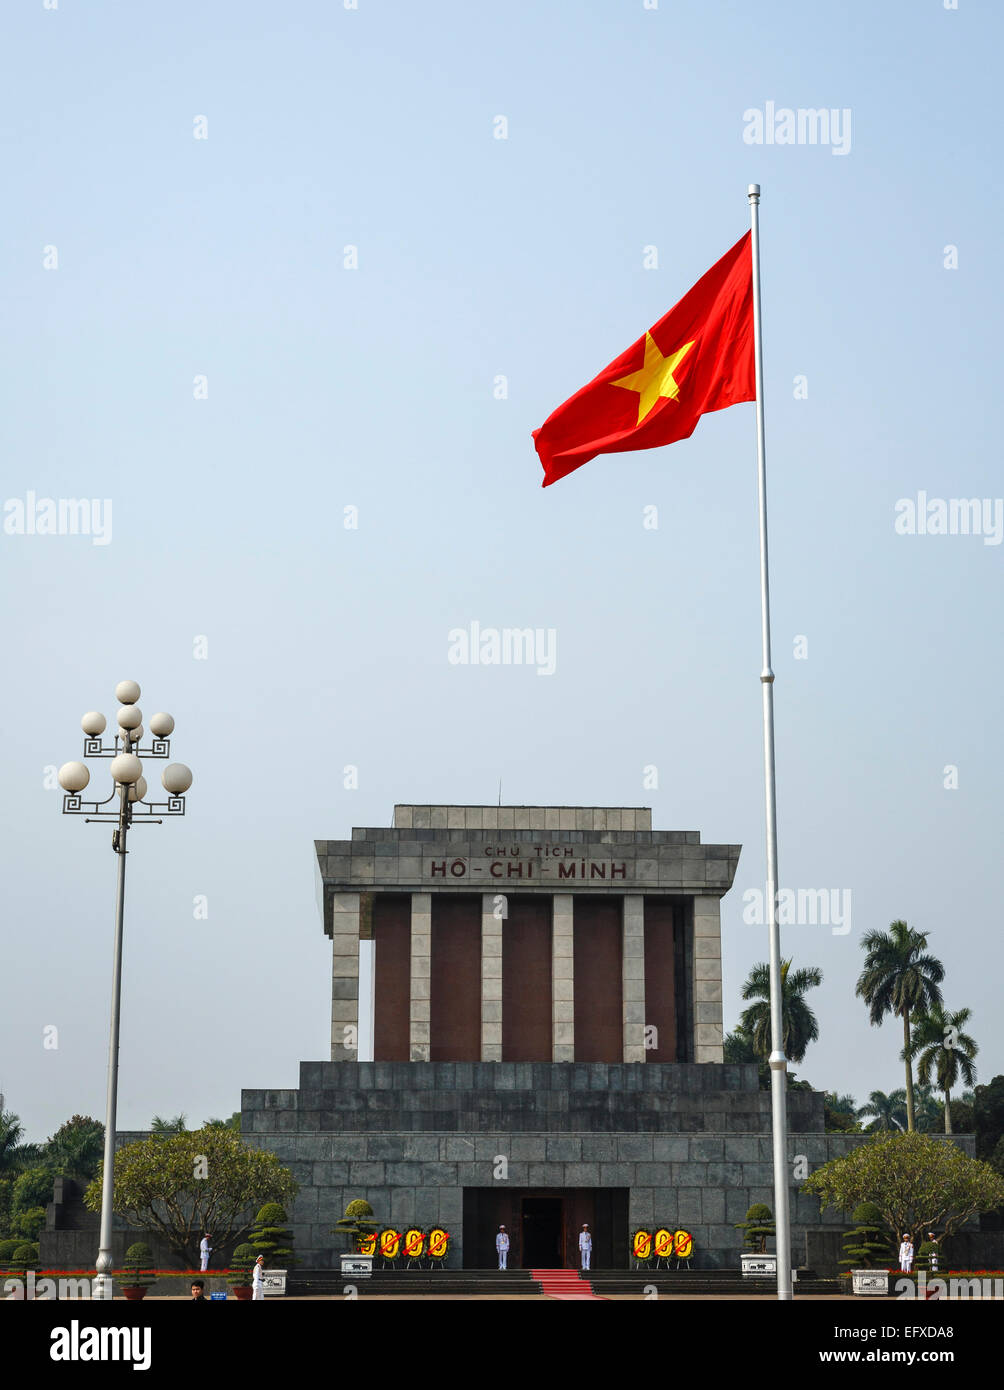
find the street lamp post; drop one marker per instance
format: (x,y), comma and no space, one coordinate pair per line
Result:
(130,790)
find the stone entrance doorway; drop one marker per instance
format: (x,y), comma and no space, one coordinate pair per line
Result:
(542,1233)
(543,1225)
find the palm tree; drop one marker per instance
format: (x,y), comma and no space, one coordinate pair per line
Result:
(889,1111)
(176,1125)
(941,1046)
(900,978)
(929,1111)
(798,1023)
(11,1148)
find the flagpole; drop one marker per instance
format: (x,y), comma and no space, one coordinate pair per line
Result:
(777,1061)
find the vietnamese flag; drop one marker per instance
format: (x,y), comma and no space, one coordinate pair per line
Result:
(696,359)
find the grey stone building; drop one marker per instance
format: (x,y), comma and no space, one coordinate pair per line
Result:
(526,1029)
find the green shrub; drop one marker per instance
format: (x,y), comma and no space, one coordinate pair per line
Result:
(25,1256)
(7,1248)
(867,1245)
(137,1267)
(270,1238)
(357,1222)
(759,1224)
(241,1264)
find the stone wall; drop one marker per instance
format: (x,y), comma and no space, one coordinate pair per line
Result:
(690,1142)
(513,1097)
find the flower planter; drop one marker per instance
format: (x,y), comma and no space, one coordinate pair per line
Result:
(357,1266)
(243,1292)
(274,1282)
(134,1292)
(756,1266)
(870,1281)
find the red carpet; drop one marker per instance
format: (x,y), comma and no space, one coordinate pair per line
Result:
(564,1283)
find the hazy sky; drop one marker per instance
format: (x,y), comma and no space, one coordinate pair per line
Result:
(181,184)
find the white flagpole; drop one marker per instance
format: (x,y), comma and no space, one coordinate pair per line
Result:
(778,1061)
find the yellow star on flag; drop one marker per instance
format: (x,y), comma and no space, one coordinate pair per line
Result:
(654,378)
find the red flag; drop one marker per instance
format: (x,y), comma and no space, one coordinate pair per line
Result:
(696,359)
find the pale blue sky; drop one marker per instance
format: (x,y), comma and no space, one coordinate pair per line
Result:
(329,387)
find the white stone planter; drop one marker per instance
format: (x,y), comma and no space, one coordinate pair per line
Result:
(874,1281)
(274,1282)
(756,1266)
(357,1266)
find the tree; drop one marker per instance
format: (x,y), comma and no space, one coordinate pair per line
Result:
(178,1186)
(917,1182)
(840,1114)
(928,1110)
(900,978)
(962,1117)
(988,1116)
(798,1022)
(76,1149)
(176,1125)
(233,1123)
(32,1188)
(889,1110)
(940,1045)
(29,1222)
(12,1151)
(996,1159)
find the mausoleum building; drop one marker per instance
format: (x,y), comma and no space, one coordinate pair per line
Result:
(526,1029)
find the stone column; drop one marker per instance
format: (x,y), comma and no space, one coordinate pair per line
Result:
(707,980)
(633,977)
(421,975)
(562,978)
(344,977)
(491,981)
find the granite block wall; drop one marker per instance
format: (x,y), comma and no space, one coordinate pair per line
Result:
(691,1142)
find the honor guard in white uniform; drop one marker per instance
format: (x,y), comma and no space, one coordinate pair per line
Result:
(585,1247)
(906,1253)
(205,1249)
(258,1280)
(502,1246)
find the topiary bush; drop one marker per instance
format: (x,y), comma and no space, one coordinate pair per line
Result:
(270,1238)
(357,1222)
(25,1256)
(868,1244)
(137,1267)
(759,1224)
(241,1263)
